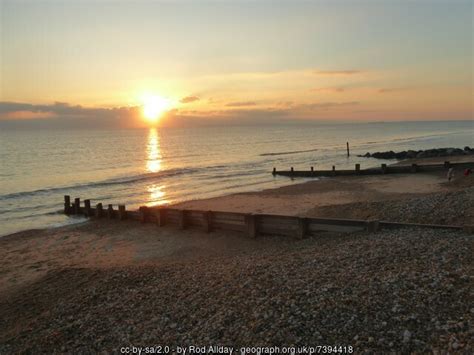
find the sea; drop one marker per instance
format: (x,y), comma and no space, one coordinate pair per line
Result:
(162,166)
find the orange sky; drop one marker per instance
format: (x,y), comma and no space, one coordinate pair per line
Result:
(244,61)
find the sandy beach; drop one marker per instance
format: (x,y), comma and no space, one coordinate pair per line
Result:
(105,284)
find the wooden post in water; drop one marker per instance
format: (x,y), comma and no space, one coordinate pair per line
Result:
(274,171)
(77,205)
(292,171)
(143,213)
(347,146)
(99,211)
(334,170)
(384,168)
(67,204)
(414,168)
(87,208)
(110,212)
(357,168)
(208,221)
(251,222)
(302,228)
(122,212)
(447,164)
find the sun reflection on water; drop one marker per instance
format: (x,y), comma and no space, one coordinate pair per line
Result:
(153,165)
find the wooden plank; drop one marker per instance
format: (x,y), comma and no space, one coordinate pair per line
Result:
(313,228)
(385,224)
(144,213)
(229,216)
(275,230)
(337,221)
(229,227)
(208,221)
(251,225)
(134,215)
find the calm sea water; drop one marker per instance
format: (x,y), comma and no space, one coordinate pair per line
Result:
(163,166)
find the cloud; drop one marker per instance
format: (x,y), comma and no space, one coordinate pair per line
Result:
(189,99)
(64,115)
(328,105)
(241,104)
(61,114)
(337,72)
(329,89)
(389,90)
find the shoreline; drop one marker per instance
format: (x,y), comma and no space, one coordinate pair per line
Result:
(226,202)
(87,285)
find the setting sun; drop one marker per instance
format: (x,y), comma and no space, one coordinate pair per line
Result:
(154,106)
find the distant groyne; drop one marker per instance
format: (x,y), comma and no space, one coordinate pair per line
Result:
(383,169)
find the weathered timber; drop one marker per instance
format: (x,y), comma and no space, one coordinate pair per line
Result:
(302,228)
(87,208)
(384,169)
(67,204)
(143,213)
(251,223)
(110,211)
(122,213)
(208,221)
(372,226)
(77,205)
(99,212)
(182,219)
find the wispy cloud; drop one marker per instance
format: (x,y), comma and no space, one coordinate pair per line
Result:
(328,105)
(338,72)
(389,90)
(189,99)
(241,104)
(329,89)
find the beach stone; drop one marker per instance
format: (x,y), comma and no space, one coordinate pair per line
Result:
(406,336)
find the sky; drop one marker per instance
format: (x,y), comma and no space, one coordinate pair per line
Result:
(89,63)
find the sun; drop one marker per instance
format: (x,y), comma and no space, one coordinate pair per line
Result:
(154,106)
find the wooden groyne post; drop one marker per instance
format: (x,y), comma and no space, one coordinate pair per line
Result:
(110,212)
(67,204)
(77,205)
(87,208)
(252,225)
(347,146)
(99,212)
(122,212)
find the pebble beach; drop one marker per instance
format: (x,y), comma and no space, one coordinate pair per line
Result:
(403,291)
(103,286)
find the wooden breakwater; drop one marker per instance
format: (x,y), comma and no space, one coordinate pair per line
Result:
(250,224)
(383,169)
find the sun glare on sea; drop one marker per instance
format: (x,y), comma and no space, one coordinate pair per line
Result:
(154,106)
